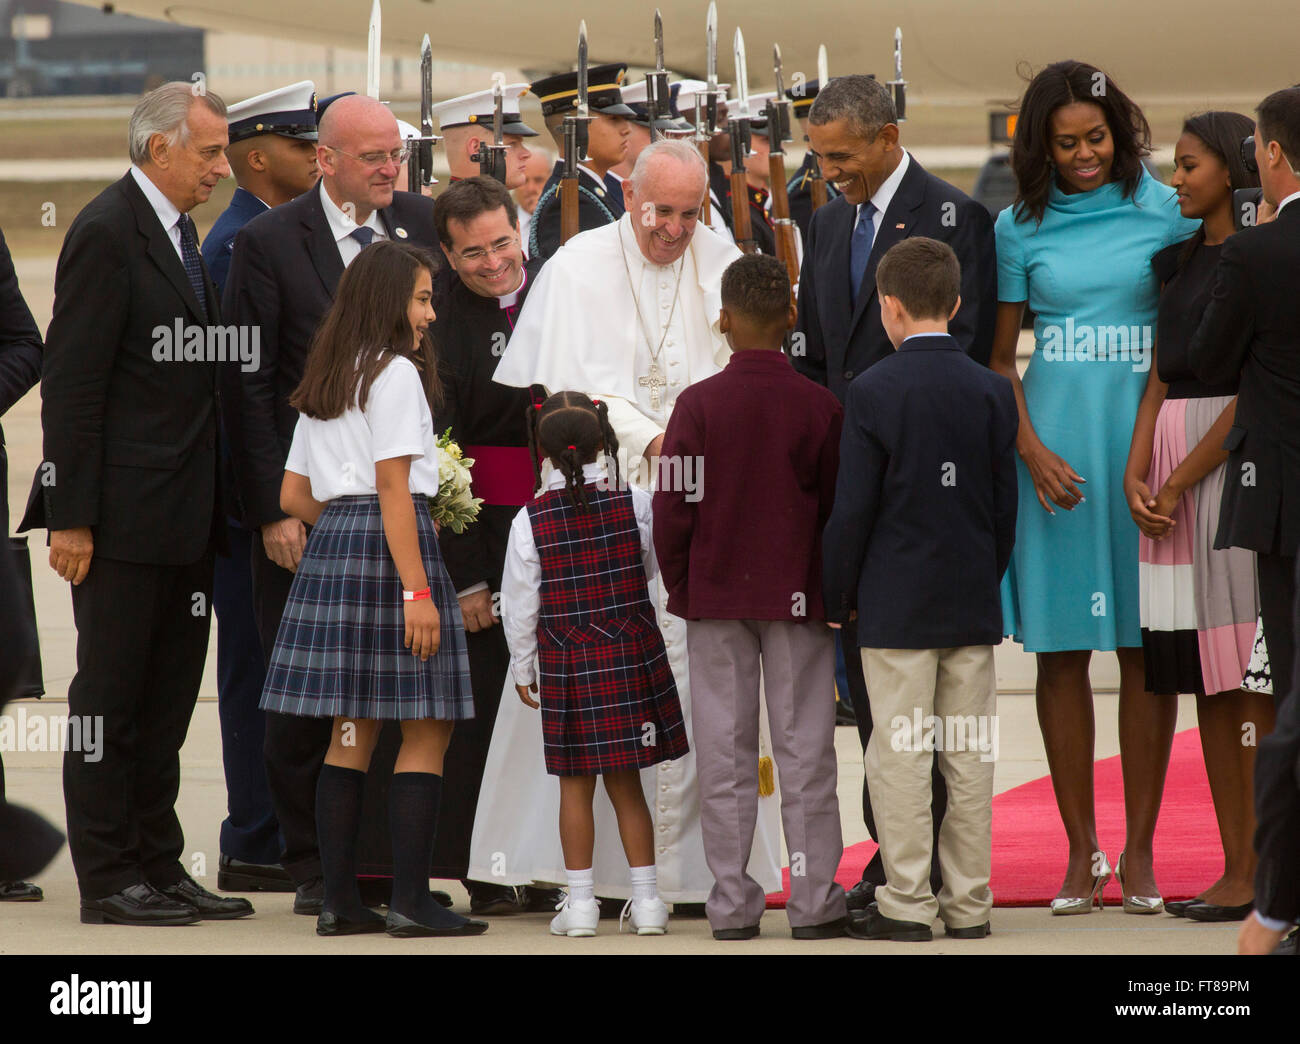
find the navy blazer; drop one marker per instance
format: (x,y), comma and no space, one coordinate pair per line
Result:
(131,440)
(925,503)
(839,340)
(219,243)
(283,274)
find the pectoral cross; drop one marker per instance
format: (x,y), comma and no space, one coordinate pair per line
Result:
(654,380)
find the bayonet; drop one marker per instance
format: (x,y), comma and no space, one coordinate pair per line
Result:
(419,168)
(711,66)
(658,98)
(898,85)
(823,69)
(372,52)
(738,126)
(491,157)
(575,146)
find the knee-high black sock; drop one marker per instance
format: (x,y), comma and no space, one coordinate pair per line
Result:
(413,799)
(338,820)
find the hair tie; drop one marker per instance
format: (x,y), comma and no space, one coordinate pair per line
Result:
(537,405)
(573,447)
(595,402)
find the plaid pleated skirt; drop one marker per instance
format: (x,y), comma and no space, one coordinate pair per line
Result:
(340,651)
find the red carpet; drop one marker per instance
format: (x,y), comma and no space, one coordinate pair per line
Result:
(1029,849)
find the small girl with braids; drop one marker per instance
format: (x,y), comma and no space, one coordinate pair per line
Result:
(574,598)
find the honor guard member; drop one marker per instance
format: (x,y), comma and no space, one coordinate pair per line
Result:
(799,187)
(272,154)
(466,124)
(636,98)
(719,151)
(600,194)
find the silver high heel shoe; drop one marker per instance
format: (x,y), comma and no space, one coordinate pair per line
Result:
(1083,904)
(1138,904)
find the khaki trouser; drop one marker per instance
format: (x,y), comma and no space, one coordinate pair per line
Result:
(958,688)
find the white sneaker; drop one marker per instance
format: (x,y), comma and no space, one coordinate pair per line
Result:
(648,916)
(577,920)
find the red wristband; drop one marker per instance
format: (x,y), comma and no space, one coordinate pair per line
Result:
(415,596)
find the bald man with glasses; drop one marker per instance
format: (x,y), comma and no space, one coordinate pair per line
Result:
(283,274)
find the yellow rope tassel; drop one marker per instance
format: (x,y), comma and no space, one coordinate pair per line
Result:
(766,777)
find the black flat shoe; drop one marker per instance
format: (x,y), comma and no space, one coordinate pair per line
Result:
(978,931)
(826,930)
(210,907)
(750,931)
(680,909)
(400,926)
(489,900)
(234,875)
(1179,906)
(1210,912)
(861,895)
(539,899)
(328,923)
(140,904)
(20,892)
(876,926)
(309,898)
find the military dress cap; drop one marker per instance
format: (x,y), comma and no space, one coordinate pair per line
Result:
(477,109)
(802,95)
(604,96)
(684,94)
(637,98)
(325,103)
(288,111)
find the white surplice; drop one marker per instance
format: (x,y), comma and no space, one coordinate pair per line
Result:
(578,331)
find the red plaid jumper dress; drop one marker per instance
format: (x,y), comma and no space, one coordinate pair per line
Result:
(609,702)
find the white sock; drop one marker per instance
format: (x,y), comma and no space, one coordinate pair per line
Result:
(644,883)
(582,885)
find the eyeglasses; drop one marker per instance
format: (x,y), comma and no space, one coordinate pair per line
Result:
(378,159)
(479,253)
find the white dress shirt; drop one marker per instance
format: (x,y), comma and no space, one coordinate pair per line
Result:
(521,580)
(1289,199)
(166,210)
(342,225)
(884,195)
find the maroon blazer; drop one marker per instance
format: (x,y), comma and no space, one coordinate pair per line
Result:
(746,484)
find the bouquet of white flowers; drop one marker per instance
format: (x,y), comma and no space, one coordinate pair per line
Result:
(454,506)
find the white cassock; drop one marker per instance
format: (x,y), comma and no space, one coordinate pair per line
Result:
(575,333)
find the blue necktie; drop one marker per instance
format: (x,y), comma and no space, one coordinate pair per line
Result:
(864,232)
(190,259)
(363,234)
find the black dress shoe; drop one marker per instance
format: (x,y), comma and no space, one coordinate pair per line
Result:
(540,899)
(328,923)
(750,931)
(375,891)
(234,875)
(139,904)
(978,931)
(20,892)
(309,898)
(489,900)
(1179,906)
(448,924)
(1211,912)
(684,910)
(826,930)
(1287,947)
(861,895)
(876,926)
(210,907)
(612,909)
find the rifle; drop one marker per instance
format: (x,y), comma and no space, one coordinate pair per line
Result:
(419,165)
(898,85)
(739,129)
(575,146)
(706,115)
(778,132)
(491,159)
(658,95)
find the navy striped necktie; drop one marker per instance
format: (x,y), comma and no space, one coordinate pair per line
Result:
(864,233)
(193,266)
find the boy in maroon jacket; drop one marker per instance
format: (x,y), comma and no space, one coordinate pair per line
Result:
(740,554)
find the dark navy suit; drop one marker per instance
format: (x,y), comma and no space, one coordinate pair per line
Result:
(250,831)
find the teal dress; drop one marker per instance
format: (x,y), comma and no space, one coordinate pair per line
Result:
(1086,273)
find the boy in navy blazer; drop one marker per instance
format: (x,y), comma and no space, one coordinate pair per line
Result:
(920,535)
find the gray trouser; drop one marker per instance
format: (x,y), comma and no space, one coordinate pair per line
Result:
(798,663)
